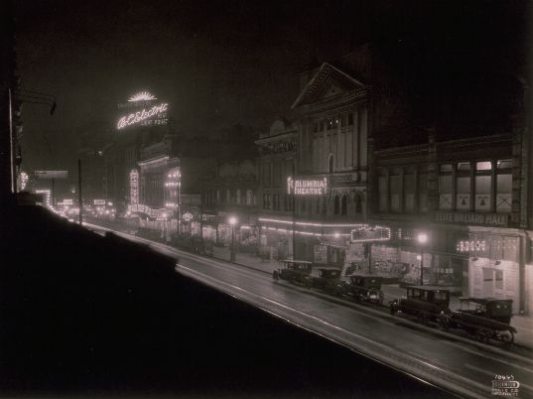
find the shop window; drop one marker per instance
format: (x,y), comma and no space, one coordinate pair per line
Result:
(462,197)
(336,205)
(445,192)
(344,205)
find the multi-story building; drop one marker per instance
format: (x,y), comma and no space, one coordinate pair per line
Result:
(231,191)
(277,163)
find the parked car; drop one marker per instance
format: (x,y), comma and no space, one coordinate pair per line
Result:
(294,271)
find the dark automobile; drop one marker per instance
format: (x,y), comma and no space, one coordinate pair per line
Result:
(294,271)
(425,303)
(485,318)
(364,287)
(328,280)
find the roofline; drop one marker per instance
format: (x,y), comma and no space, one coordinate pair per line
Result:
(323,66)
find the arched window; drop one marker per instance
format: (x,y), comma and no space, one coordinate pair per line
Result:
(344,205)
(336,205)
(358,204)
(331,163)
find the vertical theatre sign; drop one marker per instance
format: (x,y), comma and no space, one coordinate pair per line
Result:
(142,109)
(134,187)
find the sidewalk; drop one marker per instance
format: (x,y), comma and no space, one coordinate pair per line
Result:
(248,260)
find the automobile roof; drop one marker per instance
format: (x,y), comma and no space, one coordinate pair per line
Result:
(428,287)
(297,261)
(483,300)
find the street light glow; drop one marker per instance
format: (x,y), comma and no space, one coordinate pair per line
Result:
(232,220)
(422,238)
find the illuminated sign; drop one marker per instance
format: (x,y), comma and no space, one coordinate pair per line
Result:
(134,186)
(140,116)
(47,195)
(371,234)
(471,246)
(307,186)
(142,96)
(99,202)
(66,202)
(23,180)
(153,213)
(489,219)
(187,216)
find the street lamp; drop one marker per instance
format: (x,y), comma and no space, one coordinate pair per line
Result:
(232,221)
(422,239)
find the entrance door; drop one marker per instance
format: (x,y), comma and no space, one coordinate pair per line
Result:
(492,281)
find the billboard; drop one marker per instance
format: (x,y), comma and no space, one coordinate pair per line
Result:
(142,109)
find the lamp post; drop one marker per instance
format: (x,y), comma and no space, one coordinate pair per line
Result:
(232,221)
(422,239)
(179,201)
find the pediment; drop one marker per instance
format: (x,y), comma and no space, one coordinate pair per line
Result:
(327,82)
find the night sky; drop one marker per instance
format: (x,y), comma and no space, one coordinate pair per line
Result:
(221,63)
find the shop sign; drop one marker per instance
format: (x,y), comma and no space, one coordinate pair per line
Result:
(471,246)
(307,186)
(187,216)
(489,219)
(99,202)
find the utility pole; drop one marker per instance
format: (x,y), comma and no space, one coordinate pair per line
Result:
(79,193)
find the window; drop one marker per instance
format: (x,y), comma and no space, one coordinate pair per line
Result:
(463,193)
(344,205)
(504,185)
(359,204)
(395,191)
(446,167)
(248,197)
(382,193)
(409,181)
(483,187)
(331,163)
(336,205)
(463,166)
(228,195)
(350,119)
(238,196)
(445,192)
(423,192)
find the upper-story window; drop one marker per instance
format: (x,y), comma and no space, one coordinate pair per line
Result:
(504,183)
(483,198)
(445,187)
(238,196)
(395,190)
(249,198)
(331,163)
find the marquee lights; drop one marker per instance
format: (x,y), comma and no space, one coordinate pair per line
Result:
(142,96)
(140,116)
(371,234)
(307,186)
(288,222)
(471,246)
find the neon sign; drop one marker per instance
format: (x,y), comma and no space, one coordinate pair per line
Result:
(142,96)
(307,186)
(471,246)
(134,186)
(140,116)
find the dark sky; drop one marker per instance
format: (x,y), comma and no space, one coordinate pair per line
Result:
(220,63)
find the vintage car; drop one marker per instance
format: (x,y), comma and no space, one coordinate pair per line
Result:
(365,288)
(425,303)
(328,280)
(484,318)
(294,271)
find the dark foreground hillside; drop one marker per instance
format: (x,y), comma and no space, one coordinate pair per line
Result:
(93,316)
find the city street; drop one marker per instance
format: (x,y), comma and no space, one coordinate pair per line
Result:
(458,365)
